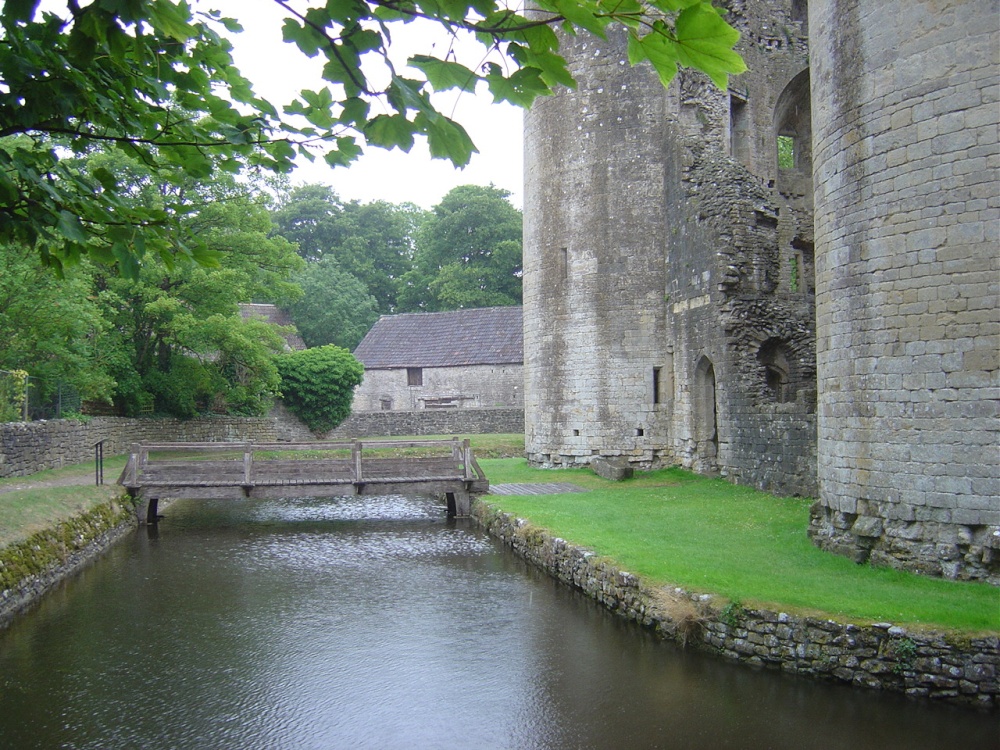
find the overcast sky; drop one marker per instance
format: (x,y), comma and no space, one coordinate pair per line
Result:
(279,71)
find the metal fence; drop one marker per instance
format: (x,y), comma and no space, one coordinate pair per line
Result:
(24,398)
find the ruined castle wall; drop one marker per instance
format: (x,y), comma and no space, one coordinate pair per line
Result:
(658,245)
(593,263)
(905,126)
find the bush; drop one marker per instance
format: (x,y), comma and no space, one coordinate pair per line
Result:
(317,385)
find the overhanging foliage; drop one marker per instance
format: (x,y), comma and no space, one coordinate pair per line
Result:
(156,80)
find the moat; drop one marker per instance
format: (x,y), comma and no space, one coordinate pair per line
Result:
(377,623)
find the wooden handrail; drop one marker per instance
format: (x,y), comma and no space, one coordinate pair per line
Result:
(467,468)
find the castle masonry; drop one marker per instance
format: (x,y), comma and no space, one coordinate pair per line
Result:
(792,284)
(905,121)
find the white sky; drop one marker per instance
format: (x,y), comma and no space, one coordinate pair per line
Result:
(278,71)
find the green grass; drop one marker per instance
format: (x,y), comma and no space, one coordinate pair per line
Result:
(27,511)
(706,535)
(24,512)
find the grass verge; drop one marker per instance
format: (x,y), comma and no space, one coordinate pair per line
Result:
(707,535)
(26,512)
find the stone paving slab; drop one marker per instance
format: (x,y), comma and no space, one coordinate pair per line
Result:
(555,488)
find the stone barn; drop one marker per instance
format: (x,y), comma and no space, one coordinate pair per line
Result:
(444,360)
(277,317)
(793,283)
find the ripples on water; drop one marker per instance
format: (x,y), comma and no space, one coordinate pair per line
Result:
(374,623)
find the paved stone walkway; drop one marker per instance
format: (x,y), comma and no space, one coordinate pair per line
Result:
(535,489)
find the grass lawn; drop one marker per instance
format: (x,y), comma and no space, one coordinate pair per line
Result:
(707,535)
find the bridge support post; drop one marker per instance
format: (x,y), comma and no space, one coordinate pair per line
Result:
(459,503)
(146,510)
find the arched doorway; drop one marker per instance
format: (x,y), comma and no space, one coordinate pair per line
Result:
(706,415)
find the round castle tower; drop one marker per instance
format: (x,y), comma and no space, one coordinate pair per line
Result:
(594,262)
(905,124)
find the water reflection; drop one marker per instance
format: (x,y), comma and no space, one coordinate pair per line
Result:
(376,623)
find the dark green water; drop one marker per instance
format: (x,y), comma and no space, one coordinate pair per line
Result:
(377,624)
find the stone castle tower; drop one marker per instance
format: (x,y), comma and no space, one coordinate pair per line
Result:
(680,307)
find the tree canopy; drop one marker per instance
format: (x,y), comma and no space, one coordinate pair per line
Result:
(155,79)
(335,307)
(468,253)
(172,339)
(371,241)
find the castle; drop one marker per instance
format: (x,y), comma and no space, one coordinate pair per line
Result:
(794,283)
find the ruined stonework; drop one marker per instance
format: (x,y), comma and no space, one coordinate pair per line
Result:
(683,305)
(668,270)
(907,209)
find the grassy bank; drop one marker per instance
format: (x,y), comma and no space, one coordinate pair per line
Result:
(673,527)
(31,504)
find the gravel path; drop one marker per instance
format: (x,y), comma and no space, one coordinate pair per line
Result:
(82,477)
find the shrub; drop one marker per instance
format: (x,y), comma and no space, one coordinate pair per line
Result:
(317,385)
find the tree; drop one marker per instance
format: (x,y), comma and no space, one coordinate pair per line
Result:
(50,328)
(318,385)
(468,253)
(335,307)
(175,336)
(371,241)
(157,81)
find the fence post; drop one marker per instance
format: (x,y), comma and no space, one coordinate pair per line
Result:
(99,462)
(247,463)
(467,458)
(356,460)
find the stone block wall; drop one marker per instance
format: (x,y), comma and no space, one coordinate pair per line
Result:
(468,387)
(905,119)
(881,656)
(594,273)
(664,253)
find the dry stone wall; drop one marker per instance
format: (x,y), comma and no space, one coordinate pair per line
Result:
(27,447)
(881,656)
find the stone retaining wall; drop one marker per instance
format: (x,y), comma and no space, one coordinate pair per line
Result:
(880,656)
(27,447)
(31,568)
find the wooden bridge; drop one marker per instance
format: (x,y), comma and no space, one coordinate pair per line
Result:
(444,468)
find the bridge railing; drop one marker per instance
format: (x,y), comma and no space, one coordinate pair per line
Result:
(352,454)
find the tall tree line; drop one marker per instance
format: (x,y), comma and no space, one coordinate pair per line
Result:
(169,338)
(369,259)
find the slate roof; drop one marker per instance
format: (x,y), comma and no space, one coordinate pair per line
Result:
(481,336)
(275,316)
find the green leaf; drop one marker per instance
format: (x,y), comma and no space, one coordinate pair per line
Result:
(388,131)
(106,178)
(19,10)
(172,20)
(658,48)
(70,226)
(446,139)
(705,41)
(303,37)
(582,15)
(444,75)
(520,88)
